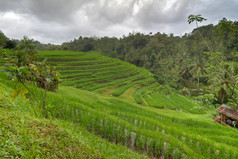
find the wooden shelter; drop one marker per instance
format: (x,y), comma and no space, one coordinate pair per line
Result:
(227,115)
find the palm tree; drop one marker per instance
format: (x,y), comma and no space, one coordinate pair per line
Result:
(196,18)
(198,68)
(222,83)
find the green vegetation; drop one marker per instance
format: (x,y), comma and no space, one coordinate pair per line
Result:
(25,134)
(185,62)
(146,130)
(22,67)
(3,39)
(27,137)
(107,108)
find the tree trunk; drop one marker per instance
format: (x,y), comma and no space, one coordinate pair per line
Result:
(44,98)
(198,80)
(223,96)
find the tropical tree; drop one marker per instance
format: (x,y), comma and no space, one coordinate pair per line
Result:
(25,52)
(222,78)
(198,68)
(27,71)
(199,18)
(196,18)
(222,83)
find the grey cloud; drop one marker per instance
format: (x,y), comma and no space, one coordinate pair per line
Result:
(155,12)
(110,11)
(62,20)
(8,5)
(46,10)
(216,10)
(54,10)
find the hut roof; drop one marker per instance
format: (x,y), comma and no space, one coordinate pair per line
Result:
(229,112)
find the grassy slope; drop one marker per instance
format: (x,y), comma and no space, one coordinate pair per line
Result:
(173,126)
(150,131)
(25,134)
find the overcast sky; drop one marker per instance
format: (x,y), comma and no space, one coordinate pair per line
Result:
(57,21)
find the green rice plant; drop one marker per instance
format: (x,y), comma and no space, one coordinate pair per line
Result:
(59,53)
(122,89)
(159,100)
(138,95)
(202,144)
(120,80)
(89,114)
(92,79)
(78,62)
(94,69)
(102,76)
(64,68)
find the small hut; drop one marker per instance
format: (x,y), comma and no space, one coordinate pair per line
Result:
(227,115)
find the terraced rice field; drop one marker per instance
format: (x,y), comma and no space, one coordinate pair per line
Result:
(183,132)
(156,133)
(94,72)
(91,71)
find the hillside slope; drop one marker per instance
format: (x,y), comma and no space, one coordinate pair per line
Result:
(108,126)
(149,131)
(24,133)
(94,72)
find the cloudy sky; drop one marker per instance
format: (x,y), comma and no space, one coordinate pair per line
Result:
(57,21)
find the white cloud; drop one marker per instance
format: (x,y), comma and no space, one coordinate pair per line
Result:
(56,21)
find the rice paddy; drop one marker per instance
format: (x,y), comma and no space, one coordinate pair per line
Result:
(148,131)
(118,102)
(93,72)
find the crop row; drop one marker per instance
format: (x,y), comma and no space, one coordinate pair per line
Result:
(165,98)
(59,53)
(87,66)
(122,89)
(80,63)
(67,54)
(120,132)
(121,80)
(94,78)
(93,68)
(200,144)
(155,137)
(101,72)
(138,95)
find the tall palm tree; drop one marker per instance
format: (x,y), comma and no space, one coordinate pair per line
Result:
(198,68)
(196,18)
(222,83)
